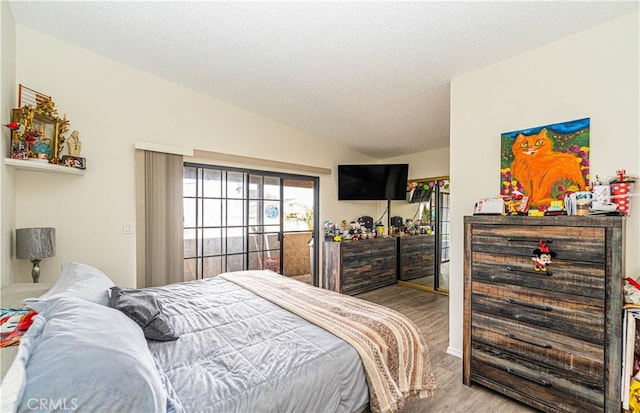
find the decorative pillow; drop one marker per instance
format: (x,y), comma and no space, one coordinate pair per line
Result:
(14,322)
(86,357)
(144,308)
(81,281)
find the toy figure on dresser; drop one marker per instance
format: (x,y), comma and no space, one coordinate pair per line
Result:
(542,256)
(355,231)
(516,203)
(410,227)
(74,145)
(556,208)
(366,222)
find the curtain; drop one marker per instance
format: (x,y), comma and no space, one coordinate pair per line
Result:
(163,232)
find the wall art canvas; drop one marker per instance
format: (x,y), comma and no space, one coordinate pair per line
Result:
(546,163)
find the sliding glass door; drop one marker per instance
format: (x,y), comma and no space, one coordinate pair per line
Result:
(238,219)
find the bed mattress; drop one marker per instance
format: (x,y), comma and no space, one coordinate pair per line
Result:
(240,353)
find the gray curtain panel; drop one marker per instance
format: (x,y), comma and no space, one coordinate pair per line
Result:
(164,248)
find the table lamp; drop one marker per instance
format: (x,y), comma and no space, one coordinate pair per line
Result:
(35,244)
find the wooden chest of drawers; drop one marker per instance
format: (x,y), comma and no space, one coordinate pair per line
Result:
(551,339)
(353,267)
(415,256)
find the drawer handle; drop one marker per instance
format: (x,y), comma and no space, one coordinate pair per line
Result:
(528,271)
(530,239)
(536,380)
(514,337)
(529,305)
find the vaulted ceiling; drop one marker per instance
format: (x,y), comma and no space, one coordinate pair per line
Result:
(373,75)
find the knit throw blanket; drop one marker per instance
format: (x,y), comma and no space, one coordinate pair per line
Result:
(392,349)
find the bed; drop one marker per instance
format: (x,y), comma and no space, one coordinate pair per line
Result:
(249,341)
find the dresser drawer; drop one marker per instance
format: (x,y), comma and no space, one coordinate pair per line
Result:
(584,244)
(383,265)
(384,246)
(354,251)
(381,280)
(578,316)
(355,280)
(570,277)
(540,345)
(416,267)
(552,391)
(414,244)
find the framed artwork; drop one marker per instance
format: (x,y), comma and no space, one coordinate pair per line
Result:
(545,163)
(45,143)
(39,134)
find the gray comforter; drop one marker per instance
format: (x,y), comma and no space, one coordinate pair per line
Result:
(240,353)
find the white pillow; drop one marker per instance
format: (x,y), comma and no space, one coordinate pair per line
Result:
(81,281)
(87,358)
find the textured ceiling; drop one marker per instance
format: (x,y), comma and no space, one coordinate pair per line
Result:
(373,75)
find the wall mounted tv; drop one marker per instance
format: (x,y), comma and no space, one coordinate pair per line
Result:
(376,182)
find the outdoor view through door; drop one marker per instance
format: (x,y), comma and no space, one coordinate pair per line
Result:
(238,219)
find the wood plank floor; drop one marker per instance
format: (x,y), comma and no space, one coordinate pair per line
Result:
(430,312)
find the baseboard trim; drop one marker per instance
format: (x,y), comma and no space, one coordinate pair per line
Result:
(454,352)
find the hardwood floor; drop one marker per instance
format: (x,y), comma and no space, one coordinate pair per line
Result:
(430,312)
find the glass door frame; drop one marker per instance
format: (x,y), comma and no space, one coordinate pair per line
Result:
(435,205)
(314,265)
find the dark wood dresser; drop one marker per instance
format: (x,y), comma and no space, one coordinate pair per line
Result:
(551,339)
(415,256)
(353,267)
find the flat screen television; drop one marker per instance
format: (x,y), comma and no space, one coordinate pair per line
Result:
(376,182)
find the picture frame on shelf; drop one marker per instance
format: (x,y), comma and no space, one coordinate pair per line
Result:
(74,161)
(39,135)
(46,144)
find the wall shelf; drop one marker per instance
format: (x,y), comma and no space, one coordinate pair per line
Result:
(34,165)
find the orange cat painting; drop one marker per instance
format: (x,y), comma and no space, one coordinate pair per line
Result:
(546,163)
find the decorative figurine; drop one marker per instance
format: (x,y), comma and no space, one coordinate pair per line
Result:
(74,159)
(74,144)
(542,256)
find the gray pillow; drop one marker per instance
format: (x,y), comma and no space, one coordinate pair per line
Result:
(144,308)
(87,357)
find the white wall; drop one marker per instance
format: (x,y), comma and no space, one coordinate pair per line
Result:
(592,74)
(7,177)
(427,164)
(113,106)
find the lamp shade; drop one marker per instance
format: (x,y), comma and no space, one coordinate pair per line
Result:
(35,243)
